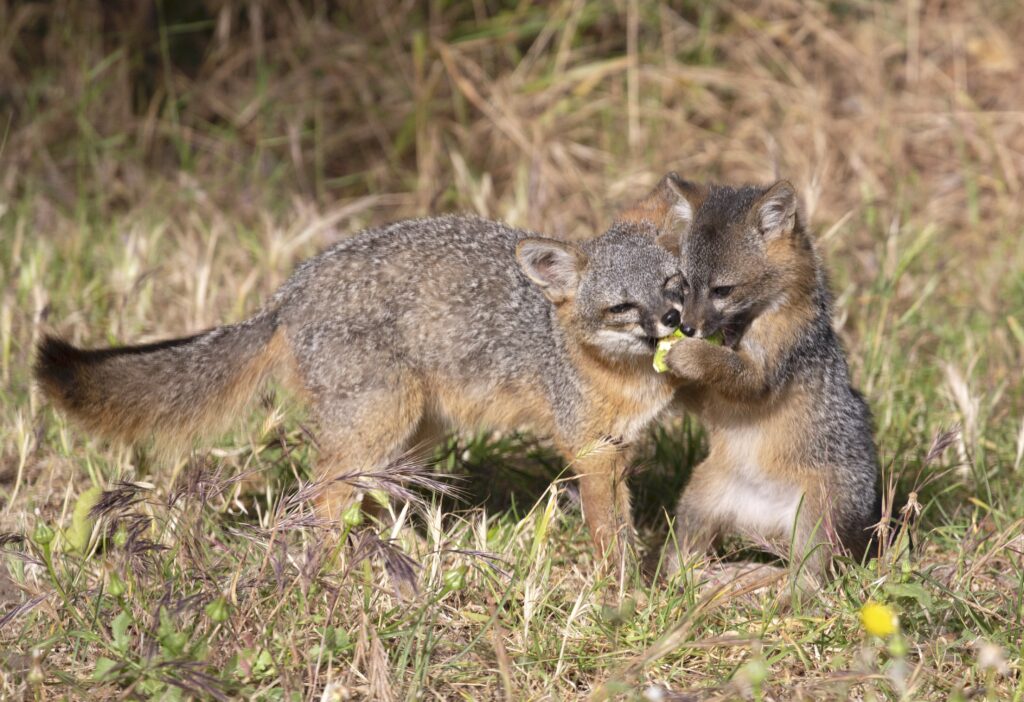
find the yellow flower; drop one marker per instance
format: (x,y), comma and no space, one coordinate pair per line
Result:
(879,620)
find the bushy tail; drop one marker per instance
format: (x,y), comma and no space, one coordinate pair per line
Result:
(175,391)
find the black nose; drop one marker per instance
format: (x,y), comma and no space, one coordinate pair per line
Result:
(671,319)
(688,330)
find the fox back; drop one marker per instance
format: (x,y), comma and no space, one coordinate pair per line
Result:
(476,305)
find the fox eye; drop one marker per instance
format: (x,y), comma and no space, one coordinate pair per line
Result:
(722,291)
(621,308)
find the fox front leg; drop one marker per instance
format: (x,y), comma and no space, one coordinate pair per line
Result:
(734,374)
(606,503)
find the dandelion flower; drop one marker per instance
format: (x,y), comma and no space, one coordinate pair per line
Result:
(879,620)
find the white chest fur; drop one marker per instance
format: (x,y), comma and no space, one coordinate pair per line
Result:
(757,502)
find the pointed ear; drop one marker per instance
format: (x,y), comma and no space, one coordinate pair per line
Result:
(776,213)
(670,208)
(554,266)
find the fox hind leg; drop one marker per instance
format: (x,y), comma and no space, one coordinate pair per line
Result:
(696,523)
(361,434)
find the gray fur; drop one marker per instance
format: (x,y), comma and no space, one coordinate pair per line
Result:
(445,296)
(724,248)
(418,324)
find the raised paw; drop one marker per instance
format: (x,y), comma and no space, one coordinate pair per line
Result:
(685,359)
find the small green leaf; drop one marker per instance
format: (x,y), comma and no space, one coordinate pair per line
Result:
(716,339)
(218,610)
(264,663)
(342,642)
(174,644)
(119,629)
(912,591)
(104,669)
(172,640)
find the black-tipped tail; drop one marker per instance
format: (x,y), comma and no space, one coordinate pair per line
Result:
(173,390)
(62,370)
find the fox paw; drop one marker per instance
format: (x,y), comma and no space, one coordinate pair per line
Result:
(684,359)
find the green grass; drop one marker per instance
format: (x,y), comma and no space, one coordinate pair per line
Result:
(169,177)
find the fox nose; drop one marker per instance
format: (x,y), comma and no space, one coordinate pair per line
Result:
(671,319)
(687,330)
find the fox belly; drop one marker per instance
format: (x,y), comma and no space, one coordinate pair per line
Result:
(757,502)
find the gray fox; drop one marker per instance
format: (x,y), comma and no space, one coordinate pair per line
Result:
(452,320)
(791,446)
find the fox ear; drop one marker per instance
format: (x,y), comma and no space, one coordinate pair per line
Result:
(688,198)
(554,266)
(670,207)
(777,211)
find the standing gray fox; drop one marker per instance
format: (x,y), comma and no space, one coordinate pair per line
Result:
(791,449)
(451,320)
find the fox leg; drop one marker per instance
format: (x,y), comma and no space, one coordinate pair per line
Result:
(696,523)
(363,434)
(812,543)
(605,498)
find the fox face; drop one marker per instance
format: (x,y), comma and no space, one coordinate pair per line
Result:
(741,252)
(618,293)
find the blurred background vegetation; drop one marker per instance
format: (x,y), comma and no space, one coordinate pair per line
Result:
(163,166)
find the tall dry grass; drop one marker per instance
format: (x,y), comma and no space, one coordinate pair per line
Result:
(164,165)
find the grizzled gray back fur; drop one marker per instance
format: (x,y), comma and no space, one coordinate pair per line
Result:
(430,301)
(445,296)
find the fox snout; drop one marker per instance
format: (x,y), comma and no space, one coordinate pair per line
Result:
(699,319)
(671,318)
(700,331)
(667,322)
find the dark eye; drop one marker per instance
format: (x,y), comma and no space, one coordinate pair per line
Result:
(721,291)
(620,308)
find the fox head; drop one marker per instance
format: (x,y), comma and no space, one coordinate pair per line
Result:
(618,293)
(741,250)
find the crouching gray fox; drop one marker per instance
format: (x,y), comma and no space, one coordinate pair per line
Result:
(791,451)
(456,320)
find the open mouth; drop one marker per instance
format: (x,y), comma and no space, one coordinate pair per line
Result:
(650,341)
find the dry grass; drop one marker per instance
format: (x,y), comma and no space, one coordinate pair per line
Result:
(163,169)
